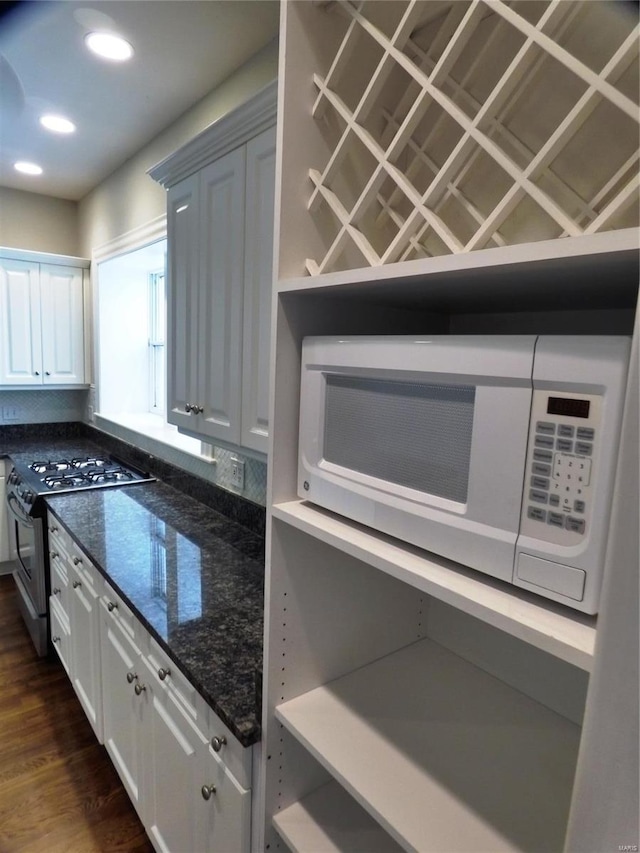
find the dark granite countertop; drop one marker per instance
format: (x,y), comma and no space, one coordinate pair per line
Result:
(194,577)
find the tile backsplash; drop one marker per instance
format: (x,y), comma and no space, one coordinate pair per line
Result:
(40,407)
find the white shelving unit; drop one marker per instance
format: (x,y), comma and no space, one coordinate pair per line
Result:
(445,167)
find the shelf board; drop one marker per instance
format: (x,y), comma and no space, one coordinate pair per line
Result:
(441,754)
(563,274)
(330,821)
(552,628)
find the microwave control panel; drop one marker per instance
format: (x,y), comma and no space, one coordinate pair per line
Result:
(561,466)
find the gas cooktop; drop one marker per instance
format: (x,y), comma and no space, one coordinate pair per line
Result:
(41,477)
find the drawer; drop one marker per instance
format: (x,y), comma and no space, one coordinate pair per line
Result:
(60,635)
(165,671)
(119,611)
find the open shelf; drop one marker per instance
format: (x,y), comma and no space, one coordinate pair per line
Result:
(454,126)
(442,755)
(330,821)
(552,628)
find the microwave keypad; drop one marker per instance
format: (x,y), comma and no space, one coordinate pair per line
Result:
(559,475)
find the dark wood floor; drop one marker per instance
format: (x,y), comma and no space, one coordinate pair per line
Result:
(59,792)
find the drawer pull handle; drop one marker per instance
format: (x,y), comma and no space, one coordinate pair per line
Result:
(76,584)
(112,605)
(218,742)
(56,590)
(53,529)
(163,673)
(77,561)
(54,555)
(207,791)
(131,677)
(55,639)
(139,688)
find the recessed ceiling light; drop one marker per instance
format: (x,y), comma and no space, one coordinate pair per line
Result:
(58,124)
(27,168)
(109,46)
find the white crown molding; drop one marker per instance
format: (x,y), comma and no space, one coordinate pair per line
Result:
(140,236)
(220,137)
(43,257)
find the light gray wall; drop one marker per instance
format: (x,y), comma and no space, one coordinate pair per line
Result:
(38,223)
(129,198)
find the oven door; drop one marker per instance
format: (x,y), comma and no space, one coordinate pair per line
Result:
(27,536)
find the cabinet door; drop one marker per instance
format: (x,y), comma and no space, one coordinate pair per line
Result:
(222,187)
(173,772)
(60,636)
(182,316)
(62,300)
(123,709)
(261,164)
(86,670)
(227,821)
(20,342)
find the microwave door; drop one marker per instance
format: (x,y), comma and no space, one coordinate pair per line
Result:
(432,457)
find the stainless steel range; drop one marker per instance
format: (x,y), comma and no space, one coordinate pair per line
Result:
(27,486)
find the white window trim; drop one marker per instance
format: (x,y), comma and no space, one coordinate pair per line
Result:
(155,427)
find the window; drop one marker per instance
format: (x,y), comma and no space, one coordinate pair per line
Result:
(131,364)
(157,328)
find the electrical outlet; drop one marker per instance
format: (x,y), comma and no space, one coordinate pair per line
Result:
(10,413)
(237,473)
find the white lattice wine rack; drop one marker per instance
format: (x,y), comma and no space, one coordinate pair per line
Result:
(445,127)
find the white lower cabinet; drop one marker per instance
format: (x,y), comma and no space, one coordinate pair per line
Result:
(123,707)
(75,629)
(194,803)
(159,733)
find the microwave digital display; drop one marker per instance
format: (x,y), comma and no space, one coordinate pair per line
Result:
(568,407)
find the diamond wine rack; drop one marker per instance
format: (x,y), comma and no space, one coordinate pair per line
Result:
(455,126)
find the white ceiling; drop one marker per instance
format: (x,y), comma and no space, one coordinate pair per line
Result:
(183,50)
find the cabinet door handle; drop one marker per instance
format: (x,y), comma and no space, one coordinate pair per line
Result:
(47,373)
(198,410)
(77,561)
(56,590)
(54,555)
(112,605)
(163,673)
(53,529)
(188,407)
(207,791)
(218,742)
(139,688)
(76,584)
(36,373)
(131,677)
(55,639)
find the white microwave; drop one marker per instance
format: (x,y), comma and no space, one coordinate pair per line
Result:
(498,452)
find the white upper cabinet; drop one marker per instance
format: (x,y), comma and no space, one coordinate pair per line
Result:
(220,283)
(62,317)
(258,267)
(182,318)
(42,324)
(220,248)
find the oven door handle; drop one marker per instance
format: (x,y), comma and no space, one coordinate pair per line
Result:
(17,512)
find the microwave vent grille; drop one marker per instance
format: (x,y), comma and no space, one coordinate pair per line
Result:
(411,434)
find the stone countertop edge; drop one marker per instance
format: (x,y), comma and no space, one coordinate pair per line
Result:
(244,725)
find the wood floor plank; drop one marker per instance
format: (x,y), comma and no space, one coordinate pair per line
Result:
(59,792)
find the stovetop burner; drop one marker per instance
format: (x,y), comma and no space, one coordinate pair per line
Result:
(64,481)
(29,481)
